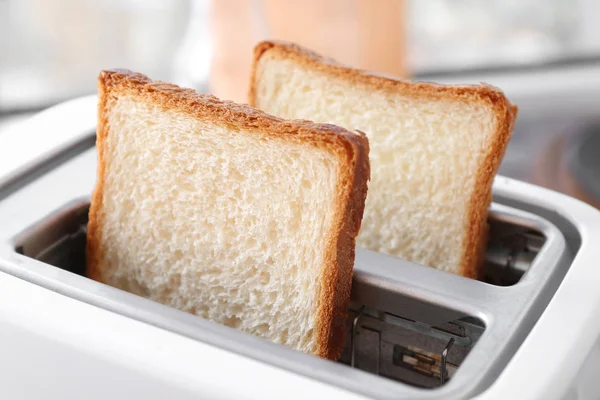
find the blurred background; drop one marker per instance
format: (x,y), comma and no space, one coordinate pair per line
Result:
(545,55)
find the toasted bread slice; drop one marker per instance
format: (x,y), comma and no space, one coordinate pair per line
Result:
(434,149)
(225,212)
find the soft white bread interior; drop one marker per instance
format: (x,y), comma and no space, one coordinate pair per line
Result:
(225,212)
(434,149)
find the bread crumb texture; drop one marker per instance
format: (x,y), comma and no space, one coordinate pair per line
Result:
(227,213)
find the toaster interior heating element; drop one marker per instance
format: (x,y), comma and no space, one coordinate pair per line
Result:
(409,351)
(411,332)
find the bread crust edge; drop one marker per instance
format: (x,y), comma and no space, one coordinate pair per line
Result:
(477,226)
(505,113)
(336,280)
(94,227)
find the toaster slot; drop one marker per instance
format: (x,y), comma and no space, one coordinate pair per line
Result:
(407,323)
(511,249)
(406,350)
(60,240)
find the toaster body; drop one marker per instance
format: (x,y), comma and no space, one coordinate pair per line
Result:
(529,329)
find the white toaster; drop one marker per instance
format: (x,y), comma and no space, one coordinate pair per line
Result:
(529,330)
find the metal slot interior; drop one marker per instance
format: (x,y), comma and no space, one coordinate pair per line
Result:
(408,351)
(393,345)
(510,251)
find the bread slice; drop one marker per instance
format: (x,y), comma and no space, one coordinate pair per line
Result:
(225,212)
(434,149)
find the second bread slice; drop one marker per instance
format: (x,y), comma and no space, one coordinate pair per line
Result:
(434,149)
(225,212)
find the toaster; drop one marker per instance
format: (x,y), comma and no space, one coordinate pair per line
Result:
(529,329)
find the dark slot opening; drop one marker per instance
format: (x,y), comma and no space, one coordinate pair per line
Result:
(389,345)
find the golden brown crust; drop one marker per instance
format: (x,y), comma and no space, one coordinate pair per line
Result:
(477,209)
(504,112)
(93,256)
(336,283)
(351,149)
